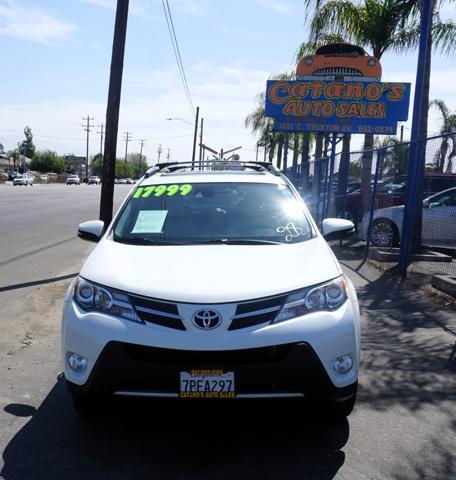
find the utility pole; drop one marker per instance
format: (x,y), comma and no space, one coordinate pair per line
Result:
(112,112)
(194,137)
(87,127)
(127,138)
(159,152)
(140,157)
(101,132)
(168,155)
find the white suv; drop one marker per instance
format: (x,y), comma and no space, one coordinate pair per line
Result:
(212,284)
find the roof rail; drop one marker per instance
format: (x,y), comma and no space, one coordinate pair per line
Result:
(218,165)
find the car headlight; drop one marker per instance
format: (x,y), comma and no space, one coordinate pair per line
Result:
(327,297)
(95,298)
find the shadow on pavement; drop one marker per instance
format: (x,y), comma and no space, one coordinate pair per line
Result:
(408,346)
(156,439)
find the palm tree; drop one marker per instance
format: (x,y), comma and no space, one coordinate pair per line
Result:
(264,126)
(385,25)
(377,24)
(395,157)
(448,129)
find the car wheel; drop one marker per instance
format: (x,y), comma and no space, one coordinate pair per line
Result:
(341,410)
(384,233)
(333,410)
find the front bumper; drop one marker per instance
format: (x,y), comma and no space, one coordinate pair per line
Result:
(267,371)
(128,355)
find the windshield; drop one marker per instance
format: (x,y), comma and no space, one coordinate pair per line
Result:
(395,186)
(212,213)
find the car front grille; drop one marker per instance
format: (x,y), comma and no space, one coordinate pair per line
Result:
(344,71)
(248,314)
(208,358)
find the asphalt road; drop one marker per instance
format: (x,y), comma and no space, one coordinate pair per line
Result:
(403,427)
(38,228)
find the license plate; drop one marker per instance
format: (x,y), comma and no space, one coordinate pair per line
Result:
(207,384)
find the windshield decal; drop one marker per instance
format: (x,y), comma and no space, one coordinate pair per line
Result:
(291,231)
(160,190)
(150,221)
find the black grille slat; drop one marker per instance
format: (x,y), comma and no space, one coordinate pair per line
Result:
(155,305)
(252,320)
(248,307)
(161,320)
(196,358)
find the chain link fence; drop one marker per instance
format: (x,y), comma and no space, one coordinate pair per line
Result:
(369,188)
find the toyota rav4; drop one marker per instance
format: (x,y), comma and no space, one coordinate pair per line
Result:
(212,284)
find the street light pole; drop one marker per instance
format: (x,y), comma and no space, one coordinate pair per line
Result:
(194,137)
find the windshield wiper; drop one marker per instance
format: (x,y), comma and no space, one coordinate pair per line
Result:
(237,241)
(147,241)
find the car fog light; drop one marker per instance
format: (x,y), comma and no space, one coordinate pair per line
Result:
(77,363)
(343,364)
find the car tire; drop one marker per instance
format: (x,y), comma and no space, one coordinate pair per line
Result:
(341,410)
(334,410)
(384,233)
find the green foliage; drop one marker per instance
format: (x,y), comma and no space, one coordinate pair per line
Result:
(2,148)
(139,165)
(48,161)
(27,147)
(15,156)
(96,165)
(124,169)
(354,170)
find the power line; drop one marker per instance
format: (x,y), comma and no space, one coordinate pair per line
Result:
(172,33)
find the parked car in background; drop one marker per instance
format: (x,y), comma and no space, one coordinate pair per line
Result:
(11,175)
(439,218)
(94,180)
(392,193)
(23,180)
(122,181)
(129,181)
(73,180)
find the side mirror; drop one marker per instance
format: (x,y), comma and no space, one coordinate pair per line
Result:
(91,230)
(337,228)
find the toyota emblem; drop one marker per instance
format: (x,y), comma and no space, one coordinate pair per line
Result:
(207,319)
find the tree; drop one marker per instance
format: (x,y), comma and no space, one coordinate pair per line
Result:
(2,148)
(381,25)
(96,164)
(395,157)
(48,161)
(138,163)
(15,156)
(27,147)
(264,126)
(448,143)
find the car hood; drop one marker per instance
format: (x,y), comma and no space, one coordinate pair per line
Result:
(211,273)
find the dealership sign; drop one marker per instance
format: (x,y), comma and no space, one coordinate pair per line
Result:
(337,106)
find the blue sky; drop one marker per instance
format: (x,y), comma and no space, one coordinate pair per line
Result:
(55,57)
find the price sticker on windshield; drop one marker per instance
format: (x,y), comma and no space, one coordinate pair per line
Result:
(163,190)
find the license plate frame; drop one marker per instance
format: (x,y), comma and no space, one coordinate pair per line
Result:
(207,384)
